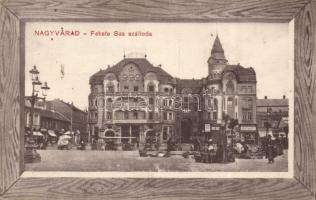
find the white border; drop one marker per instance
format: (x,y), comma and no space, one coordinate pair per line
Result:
(114,174)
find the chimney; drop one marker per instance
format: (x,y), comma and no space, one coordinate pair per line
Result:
(265,97)
(283,96)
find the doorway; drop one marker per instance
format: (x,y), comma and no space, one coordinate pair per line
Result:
(186,130)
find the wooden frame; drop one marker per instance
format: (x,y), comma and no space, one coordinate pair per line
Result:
(14,13)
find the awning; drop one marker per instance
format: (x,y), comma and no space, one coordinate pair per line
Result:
(264,133)
(52,133)
(68,133)
(36,133)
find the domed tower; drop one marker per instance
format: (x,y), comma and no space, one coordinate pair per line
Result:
(217,60)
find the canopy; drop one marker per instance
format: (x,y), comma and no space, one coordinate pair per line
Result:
(68,133)
(36,133)
(63,140)
(52,133)
(284,122)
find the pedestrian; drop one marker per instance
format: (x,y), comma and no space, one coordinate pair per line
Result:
(270,151)
(210,147)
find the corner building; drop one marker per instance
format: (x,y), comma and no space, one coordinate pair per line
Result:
(133,99)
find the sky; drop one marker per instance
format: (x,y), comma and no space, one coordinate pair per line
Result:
(181,48)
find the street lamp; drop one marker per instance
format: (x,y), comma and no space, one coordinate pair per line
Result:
(269,110)
(224,140)
(36,86)
(34,73)
(45,89)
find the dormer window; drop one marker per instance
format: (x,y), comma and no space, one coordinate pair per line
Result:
(166,89)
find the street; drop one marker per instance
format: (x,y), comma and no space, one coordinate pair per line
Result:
(74,160)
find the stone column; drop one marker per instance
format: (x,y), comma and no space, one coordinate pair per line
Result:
(130,133)
(219,108)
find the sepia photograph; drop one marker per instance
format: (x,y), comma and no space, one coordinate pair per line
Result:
(158,97)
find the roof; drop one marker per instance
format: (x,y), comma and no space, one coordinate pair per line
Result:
(194,84)
(51,105)
(217,46)
(272,102)
(48,113)
(53,115)
(243,74)
(217,51)
(142,63)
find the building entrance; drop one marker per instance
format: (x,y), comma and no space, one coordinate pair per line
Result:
(186,130)
(130,133)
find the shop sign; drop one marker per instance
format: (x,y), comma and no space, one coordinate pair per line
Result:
(248,128)
(215,128)
(207,128)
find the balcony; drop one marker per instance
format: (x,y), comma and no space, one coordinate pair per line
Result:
(92,121)
(130,121)
(135,94)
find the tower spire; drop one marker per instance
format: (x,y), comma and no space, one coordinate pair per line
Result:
(217,61)
(217,46)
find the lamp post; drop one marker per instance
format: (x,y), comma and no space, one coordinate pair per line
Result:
(36,86)
(269,110)
(224,140)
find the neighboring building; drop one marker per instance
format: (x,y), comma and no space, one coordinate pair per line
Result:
(51,120)
(231,91)
(134,98)
(44,119)
(275,112)
(77,117)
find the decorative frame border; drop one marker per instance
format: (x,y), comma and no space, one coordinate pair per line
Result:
(14,14)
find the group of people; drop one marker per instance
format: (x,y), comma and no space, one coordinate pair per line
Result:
(38,141)
(272,148)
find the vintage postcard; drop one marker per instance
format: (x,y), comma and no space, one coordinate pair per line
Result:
(176,99)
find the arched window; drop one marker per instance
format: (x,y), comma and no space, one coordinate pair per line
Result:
(170,102)
(151,87)
(230,87)
(110,88)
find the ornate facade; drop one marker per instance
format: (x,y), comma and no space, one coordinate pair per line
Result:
(134,98)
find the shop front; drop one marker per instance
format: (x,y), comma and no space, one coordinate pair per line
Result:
(249,134)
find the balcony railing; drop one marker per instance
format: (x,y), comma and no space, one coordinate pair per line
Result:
(131,94)
(130,121)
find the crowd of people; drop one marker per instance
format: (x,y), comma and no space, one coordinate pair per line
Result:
(269,148)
